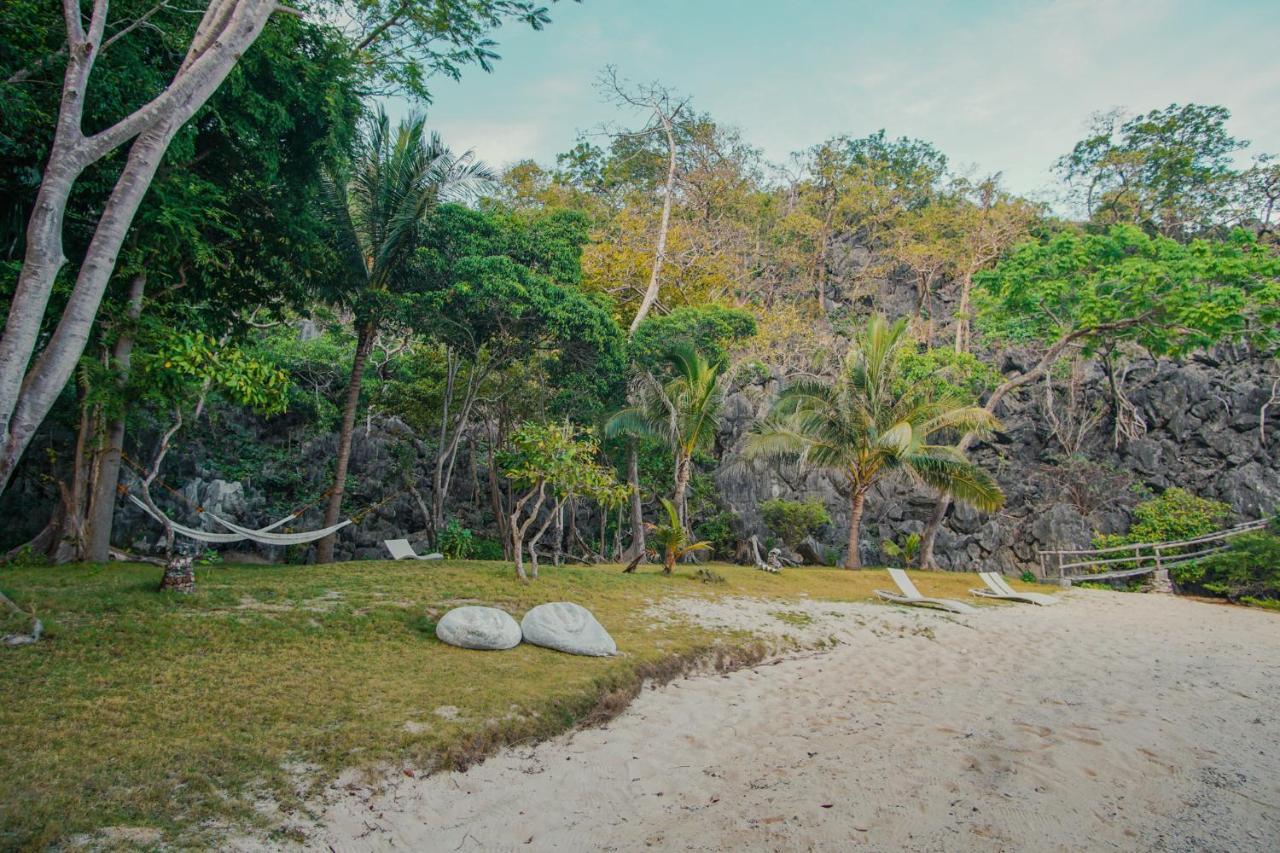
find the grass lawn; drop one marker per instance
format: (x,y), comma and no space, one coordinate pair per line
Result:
(174,712)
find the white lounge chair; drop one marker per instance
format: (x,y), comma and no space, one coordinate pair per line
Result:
(998,587)
(911,595)
(401,550)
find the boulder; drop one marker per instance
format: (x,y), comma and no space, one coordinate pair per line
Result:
(475,627)
(567,627)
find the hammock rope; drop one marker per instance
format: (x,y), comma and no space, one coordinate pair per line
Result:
(264,538)
(203,535)
(263,535)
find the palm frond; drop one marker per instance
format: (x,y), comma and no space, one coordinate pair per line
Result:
(957,477)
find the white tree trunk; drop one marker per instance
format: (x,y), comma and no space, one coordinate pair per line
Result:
(28,391)
(660,252)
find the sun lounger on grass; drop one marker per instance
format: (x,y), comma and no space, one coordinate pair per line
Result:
(401,550)
(911,595)
(998,587)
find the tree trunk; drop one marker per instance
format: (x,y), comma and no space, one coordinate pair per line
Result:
(28,390)
(930,534)
(518,529)
(637,547)
(364,344)
(557,547)
(495,498)
(71,542)
(660,251)
(447,449)
(683,467)
(852,560)
(962,313)
(103,503)
(179,575)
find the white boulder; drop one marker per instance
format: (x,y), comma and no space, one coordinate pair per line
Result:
(475,627)
(567,627)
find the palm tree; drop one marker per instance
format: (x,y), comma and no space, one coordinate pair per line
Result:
(672,540)
(871,422)
(683,413)
(378,208)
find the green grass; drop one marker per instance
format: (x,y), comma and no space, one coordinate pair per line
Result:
(168,711)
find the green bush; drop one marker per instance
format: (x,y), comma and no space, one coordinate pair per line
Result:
(487,549)
(1249,568)
(718,529)
(1176,514)
(903,553)
(456,541)
(792,521)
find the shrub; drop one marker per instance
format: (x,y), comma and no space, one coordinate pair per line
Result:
(1249,568)
(718,529)
(1176,514)
(792,521)
(905,552)
(456,541)
(487,549)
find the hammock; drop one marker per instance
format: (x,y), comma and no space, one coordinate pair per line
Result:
(263,538)
(204,535)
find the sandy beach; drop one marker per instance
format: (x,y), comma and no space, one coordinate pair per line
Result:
(1109,722)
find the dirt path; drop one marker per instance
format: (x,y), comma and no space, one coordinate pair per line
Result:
(1110,721)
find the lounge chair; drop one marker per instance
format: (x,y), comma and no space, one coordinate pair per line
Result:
(998,587)
(911,595)
(401,550)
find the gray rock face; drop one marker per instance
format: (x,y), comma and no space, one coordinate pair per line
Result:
(475,627)
(567,627)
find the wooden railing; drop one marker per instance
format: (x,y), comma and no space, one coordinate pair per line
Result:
(1139,558)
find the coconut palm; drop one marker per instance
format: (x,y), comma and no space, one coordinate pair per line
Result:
(872,422)
(378,208)
(683,413)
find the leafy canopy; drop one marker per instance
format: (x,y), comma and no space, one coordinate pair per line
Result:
(792,521)
(868,423)
(562,459)
(1126,285)
(1169,171)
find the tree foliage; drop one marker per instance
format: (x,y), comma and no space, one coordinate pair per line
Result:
(1169,171)
(1166,296)
(867,424)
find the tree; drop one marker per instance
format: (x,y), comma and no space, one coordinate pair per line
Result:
(1169,171)
(1093,292)
(504,304)
(857,186)
(682,412)
(225,31)
(180,372)
(673,539)
(555,461)
(665,111)
(868,424)
(379,211)
(712,329)
(955,236)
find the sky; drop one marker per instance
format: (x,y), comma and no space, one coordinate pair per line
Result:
(996,85)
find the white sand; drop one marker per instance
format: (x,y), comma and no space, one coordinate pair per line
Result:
(1108,722)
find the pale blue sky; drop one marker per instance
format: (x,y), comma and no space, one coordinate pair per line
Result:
(995,84)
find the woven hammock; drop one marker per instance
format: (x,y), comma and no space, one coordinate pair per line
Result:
(263,536)
(204,535)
